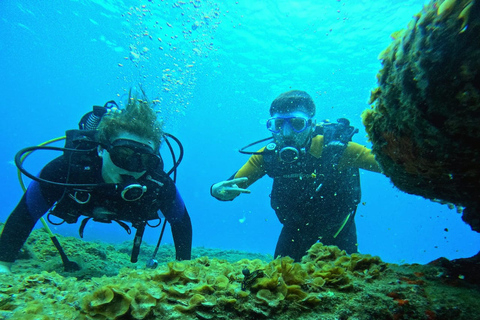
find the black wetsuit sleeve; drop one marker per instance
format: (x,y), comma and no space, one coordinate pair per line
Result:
(16,231)
(182,237)
(232,176)
(32,206)
(176,213)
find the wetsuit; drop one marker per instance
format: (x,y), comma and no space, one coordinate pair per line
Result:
(309,215)
(161,194)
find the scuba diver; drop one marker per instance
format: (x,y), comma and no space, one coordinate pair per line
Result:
(315,171)
(110,170)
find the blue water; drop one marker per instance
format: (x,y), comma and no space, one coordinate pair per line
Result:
(215,67)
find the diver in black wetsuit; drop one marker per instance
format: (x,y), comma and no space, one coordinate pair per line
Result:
(316,186)
(122,180)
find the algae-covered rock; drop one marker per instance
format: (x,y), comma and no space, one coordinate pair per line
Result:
(327,284)
(425,114)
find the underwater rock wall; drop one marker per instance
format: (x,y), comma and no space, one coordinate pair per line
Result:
(424,121)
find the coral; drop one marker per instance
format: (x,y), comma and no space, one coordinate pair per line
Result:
(144,299)
(327,284)
(109,301)
(270,298)
(203,287)
(424,117)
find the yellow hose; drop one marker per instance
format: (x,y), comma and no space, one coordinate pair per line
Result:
(343,225)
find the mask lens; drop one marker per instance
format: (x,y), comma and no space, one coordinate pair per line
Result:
(125,158)
(129,159)
(298,124)
(150,161)
(275,124)
(279,123)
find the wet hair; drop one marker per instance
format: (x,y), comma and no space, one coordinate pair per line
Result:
(294,100)
(137,118)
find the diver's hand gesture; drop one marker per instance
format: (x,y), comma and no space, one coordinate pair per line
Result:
(228,190)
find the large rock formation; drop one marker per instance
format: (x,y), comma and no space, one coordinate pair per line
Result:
(424,121)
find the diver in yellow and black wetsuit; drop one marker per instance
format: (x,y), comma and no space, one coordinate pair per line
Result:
(316,186)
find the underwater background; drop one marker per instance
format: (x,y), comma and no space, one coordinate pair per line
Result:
(214,68)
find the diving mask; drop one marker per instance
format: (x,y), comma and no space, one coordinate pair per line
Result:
(298,124)
(132,155)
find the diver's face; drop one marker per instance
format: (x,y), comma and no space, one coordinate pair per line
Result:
(292,129)
(112,173)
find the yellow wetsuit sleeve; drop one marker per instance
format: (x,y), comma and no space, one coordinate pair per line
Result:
(253,170)
(355,155)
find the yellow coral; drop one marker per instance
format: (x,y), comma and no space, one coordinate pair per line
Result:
(204,288)
(397,34)
(142,303)
(269,282)
(445,7)
(102,296)
(295,293)
(291,272)
(194,301)
(312,299)
(270,298)
(318,282)
(221,282)
(464,15)
(108,301)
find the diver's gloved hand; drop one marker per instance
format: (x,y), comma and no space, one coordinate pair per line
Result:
(5,267)
(228,190)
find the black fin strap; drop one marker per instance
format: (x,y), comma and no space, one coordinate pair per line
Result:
(82,226)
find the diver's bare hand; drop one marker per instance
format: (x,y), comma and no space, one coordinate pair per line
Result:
(228,190)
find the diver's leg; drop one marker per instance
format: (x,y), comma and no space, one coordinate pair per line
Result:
(295,240)
(16,231)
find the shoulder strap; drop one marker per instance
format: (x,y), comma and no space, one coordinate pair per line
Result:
(341,131)
(80,140)
(335,140)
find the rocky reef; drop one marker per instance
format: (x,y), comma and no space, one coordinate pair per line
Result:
(425,113)
(327,284)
